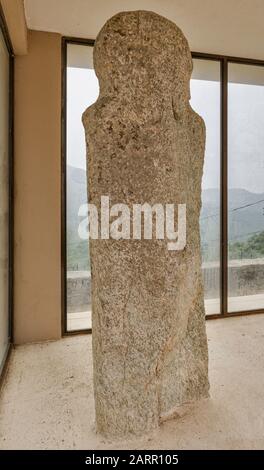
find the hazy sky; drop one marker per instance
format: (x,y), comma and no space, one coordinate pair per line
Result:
(82,91)
(246,127)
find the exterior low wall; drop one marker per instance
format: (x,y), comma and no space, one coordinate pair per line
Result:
(78,291)
(246,277)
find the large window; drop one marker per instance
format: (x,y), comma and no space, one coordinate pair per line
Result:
(5,192)
(81,92)
(205,100)
(234,209)
(245,187)
(229,95)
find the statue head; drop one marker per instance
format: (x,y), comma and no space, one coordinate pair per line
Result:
(145,53)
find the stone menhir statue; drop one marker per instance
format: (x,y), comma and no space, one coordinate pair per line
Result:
(145,145)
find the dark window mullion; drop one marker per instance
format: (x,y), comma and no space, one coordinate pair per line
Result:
(224,186)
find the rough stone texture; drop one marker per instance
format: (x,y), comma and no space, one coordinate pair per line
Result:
(145,144)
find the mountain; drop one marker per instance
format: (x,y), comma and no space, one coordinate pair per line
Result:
(246,218)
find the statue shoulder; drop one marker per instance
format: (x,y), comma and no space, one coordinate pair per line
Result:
(89,114)
(197,124)
(97,111)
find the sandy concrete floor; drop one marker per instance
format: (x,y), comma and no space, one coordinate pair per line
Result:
(47,398)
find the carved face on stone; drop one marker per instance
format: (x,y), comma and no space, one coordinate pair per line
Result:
(143,52)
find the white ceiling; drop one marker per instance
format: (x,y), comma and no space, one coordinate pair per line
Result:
(231,27)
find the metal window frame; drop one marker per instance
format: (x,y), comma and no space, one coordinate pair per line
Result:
(4,30)
(65,42)
(224,62)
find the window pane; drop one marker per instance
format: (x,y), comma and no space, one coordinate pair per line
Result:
(246,187)
(82,91)
(4,204)
(205,100)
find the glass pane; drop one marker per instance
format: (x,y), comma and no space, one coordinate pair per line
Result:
(82,91)
(205,100)
(246,187)
(4,204)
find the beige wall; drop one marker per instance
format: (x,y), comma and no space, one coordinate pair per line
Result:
(37,282)
(15,19)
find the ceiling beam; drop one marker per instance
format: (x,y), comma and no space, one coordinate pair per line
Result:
(14,13)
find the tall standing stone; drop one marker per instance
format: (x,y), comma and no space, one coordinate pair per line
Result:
(145,144)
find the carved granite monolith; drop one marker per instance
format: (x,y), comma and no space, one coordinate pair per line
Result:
(145,144)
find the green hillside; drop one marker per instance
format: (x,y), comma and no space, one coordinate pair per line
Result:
(246,223)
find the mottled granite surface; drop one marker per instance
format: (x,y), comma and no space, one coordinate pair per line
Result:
(145,144)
